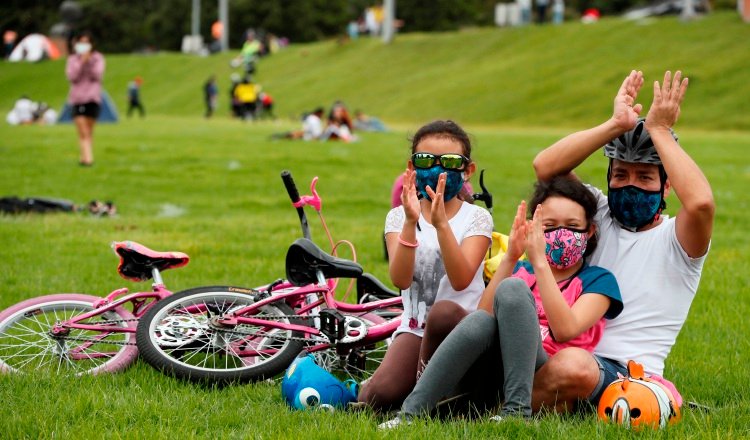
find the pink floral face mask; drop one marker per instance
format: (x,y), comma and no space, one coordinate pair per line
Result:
(565,247)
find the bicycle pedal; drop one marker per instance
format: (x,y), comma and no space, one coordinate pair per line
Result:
(357,359)
(332,324)
(340,328)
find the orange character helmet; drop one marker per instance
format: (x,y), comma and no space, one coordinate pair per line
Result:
(637,401)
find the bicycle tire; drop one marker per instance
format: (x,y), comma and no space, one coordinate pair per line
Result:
(183,343)
(26,344)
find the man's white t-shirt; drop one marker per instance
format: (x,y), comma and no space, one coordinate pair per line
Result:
(430,282)
(658,282)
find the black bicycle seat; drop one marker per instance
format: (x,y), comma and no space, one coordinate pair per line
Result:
(370,288)
(304,258)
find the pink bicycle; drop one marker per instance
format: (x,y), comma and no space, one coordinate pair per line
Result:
(85,334)
(222,335)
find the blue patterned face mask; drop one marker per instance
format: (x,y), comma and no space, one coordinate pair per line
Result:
(453,182)
(634,207)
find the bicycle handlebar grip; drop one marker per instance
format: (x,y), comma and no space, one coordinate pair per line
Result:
(291,188)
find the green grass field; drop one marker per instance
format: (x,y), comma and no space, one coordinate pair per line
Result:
(212,189)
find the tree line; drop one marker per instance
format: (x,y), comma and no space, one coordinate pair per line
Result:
(135,25)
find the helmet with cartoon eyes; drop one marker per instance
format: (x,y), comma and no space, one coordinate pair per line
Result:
(637,401)
(306,385)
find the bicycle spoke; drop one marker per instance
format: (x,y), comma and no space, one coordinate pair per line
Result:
(218,348)
(27,344)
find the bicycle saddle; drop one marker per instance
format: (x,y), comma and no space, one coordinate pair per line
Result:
(370,288)
(304,258)
(137,261)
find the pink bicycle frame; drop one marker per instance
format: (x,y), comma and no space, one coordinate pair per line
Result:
(375,333)
(140,302)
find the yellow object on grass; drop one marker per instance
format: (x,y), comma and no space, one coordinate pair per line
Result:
(494,254)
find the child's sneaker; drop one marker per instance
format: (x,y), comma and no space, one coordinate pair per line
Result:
(401,419)
(510,417)
(356,406)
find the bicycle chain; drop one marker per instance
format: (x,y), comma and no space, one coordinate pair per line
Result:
(115,321)
(276,337)
(262,333)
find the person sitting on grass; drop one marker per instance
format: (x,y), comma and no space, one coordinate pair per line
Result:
(529,310)
(339,126)
(436,247)
(312,128)
(657,259)
(365,122)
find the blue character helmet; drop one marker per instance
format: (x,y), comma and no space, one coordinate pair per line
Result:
(308,385)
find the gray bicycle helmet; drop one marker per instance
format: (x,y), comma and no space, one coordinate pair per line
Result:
(634,145)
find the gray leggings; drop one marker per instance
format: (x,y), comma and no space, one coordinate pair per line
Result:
(508,344)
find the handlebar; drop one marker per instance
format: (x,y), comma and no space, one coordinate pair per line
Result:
(291,188)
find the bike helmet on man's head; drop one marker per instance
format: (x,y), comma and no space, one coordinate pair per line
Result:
(634,145)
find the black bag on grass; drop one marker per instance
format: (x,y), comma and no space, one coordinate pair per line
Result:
(15,205)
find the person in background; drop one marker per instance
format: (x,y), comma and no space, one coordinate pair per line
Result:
(134,96)
(22,112)
(210,95)
(365,122)
(246,93)
(9,42)
(558,11)
(251,50)
(339,125)
(525,7)
(235,105)
(312,127)
(85,70)
(541,10)
(266,105)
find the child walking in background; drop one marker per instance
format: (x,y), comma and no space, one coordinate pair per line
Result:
(134,97)
(210,95)
(552,301)
(436,246)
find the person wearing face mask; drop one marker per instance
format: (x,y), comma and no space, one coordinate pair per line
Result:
(84,70)
(436,244)
(529,310)
(657,259)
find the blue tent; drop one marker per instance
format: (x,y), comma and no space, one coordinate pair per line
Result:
(107,111)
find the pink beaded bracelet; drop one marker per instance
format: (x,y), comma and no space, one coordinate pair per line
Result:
(406,243)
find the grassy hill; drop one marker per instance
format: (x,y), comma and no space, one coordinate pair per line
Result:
(533,76)
(211,188)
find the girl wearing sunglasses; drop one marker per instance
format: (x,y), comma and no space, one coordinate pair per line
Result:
(436,245)
(552,301)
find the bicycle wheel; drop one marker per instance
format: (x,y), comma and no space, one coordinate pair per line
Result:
(355,362)
(180,337)
(27,344)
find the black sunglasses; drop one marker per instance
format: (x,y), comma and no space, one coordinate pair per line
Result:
(449,161)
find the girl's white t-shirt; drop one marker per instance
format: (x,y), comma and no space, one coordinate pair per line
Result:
(430,282)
